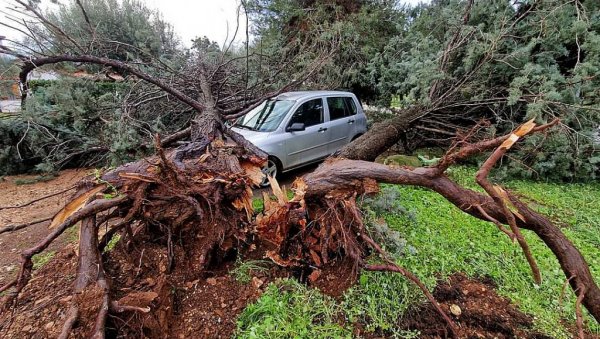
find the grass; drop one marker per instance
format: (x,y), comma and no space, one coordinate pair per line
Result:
(72,233)
(39,260)
(112,243)
(288,309)
(244,269)
(258,204)
(446,240)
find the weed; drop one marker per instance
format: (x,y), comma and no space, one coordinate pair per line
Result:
(244,269)
(289,309)
(112,243)
(113,190)
(258,205)
(39,260)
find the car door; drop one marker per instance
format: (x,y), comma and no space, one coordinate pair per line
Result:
(310,144)
(341,122)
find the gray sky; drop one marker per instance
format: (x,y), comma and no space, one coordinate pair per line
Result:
(190,18)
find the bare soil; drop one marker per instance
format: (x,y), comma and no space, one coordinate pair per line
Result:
(11,244)
(476,307)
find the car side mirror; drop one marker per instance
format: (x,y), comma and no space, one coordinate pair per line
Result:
(295,127)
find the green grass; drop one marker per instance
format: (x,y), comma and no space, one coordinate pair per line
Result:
(288,309)
(258,204)
(446,240)
(244,269)
(72,233)
(39,260)
(112,243)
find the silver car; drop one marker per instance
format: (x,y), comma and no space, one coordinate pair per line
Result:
(300,128)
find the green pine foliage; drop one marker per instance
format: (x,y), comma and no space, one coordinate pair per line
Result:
(510,62)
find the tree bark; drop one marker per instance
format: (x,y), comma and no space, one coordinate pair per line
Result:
(381,136)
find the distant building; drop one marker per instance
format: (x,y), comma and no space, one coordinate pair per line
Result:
(41,74)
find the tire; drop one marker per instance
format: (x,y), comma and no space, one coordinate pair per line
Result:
(273,169)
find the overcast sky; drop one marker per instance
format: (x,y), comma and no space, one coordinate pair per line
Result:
(190,18)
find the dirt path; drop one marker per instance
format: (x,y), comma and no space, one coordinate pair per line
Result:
(12,193)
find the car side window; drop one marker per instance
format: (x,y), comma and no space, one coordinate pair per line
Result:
(337,108)
(340,107)
(350,105)
(310,113)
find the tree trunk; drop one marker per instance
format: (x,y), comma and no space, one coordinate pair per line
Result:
(381,136)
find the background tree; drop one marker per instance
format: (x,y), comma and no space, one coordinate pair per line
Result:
(459,62)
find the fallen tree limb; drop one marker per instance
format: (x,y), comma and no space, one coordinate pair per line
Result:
(344,176)
(349,175)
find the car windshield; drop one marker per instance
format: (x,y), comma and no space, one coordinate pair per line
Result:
(266,117)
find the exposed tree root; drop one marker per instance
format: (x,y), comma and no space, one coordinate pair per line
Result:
(197,192)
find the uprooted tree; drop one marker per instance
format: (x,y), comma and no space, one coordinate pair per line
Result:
(190,203)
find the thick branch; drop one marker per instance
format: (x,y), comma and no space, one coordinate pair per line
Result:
(31,64)
(349,175)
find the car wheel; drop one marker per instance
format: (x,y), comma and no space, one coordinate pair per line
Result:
(271,169)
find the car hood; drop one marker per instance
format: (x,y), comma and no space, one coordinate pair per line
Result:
(254,137)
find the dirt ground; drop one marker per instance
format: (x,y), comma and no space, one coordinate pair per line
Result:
(476,307)
(204,305)
(12,193)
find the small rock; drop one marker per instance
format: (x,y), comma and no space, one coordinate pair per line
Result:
(455,309)
(257,282)
(211,281)
(27,328)
(66,299)
(49,326)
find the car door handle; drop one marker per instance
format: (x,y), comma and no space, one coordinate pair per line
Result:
(351,121)
(322,129)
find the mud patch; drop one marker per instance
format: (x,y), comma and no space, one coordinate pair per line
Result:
(476,308)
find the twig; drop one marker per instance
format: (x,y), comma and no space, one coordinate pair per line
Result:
(38,199)
(578,313)
(393,267)
(12,228)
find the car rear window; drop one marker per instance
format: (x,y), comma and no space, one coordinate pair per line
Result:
(340,107)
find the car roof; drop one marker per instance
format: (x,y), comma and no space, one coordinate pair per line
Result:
(308,94)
